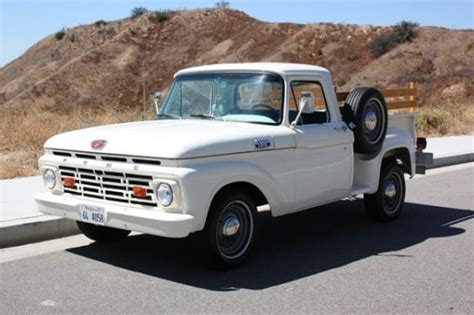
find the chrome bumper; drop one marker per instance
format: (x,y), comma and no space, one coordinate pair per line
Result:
(150,221)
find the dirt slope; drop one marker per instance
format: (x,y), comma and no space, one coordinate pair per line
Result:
(95,74)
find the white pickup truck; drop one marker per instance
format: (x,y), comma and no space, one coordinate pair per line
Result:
(229,141)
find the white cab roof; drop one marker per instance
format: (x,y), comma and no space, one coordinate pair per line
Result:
(275,67)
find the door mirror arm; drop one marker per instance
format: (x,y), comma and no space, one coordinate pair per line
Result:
(305,105)
(295,122)
(157,100)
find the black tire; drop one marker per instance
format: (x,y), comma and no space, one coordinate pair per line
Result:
(371,118)
(102,233)
(226,210)
(387,203)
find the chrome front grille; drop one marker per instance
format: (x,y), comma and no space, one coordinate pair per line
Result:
(113,186)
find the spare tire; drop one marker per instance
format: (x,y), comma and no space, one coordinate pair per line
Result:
(371,118)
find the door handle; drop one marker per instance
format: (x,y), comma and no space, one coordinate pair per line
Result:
(342,128)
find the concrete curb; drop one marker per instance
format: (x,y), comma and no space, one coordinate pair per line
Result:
(36,229)
(451,160)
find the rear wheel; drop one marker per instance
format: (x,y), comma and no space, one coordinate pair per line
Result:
(102,233)
(387,203)
(231,227)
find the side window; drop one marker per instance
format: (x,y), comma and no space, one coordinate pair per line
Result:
(318,113)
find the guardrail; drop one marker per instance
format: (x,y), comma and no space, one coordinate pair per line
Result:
(399,98)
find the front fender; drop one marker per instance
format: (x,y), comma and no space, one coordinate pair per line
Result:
(200,183)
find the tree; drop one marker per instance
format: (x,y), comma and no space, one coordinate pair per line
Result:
(138,11)
(222,4)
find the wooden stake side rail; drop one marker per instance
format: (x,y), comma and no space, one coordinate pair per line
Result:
(400,98)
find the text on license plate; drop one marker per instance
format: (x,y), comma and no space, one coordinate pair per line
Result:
(92,214)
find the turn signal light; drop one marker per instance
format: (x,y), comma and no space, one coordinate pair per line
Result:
(139,192)
(69,182)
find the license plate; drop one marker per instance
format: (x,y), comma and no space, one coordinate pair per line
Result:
(92,214)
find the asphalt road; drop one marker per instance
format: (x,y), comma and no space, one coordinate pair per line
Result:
(325,260)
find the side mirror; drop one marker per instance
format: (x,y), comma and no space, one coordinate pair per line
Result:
(157,100)
(306,105)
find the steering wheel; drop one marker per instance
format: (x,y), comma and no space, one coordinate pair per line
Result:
(264,106)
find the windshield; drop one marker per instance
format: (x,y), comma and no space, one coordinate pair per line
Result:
(247,97)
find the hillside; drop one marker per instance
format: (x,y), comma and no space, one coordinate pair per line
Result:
(95,74)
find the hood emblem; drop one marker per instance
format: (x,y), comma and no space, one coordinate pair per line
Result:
(98,144)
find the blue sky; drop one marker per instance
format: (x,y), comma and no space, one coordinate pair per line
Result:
(24,22)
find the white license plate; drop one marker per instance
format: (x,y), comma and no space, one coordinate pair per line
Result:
(92,214)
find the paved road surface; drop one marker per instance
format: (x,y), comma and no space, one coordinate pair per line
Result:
(329,259)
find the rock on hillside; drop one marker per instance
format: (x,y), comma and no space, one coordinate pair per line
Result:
(105,65)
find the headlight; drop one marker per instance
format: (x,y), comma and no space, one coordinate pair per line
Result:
(49,179)
(164,194)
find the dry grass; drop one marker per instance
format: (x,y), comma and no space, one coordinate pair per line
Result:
(24,133)
(449,119)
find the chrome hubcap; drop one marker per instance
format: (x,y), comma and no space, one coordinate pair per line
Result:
(234,229)
(393,193)
(231,226)
(370,120)
(390,190)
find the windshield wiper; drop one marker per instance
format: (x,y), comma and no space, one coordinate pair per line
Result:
(204,116)
(167,116)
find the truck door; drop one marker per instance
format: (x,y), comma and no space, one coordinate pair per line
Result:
(323,153)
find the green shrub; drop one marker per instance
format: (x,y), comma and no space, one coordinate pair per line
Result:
(405,31)
(383,43)
(222,4)
(99,23)
(402,32)
(60,34)
(160,15)
(435,121)
(136,12)
(432,121)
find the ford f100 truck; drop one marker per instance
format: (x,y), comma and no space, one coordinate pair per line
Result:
(229,141)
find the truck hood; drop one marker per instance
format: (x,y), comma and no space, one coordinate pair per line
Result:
(173,139)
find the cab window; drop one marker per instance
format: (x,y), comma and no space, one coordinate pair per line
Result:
(318,113)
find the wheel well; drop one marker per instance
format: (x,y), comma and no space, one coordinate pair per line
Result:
(255,194)
(401,156)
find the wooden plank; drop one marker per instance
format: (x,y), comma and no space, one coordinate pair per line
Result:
(398,92)
(412,86)
(401,104)
(341,96)
(408,94)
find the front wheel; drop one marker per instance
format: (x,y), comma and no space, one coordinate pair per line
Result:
(231,227)
(102,233)
(387,202)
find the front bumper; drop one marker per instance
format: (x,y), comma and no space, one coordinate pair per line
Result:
(156,222)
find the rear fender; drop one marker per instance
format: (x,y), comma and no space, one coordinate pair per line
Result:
(397,144)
